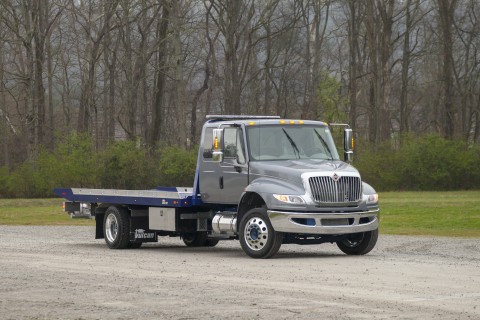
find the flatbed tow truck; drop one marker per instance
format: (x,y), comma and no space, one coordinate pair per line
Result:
(262,180)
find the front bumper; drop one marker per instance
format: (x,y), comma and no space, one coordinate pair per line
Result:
(324,223)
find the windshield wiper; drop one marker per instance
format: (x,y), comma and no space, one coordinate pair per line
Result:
(324,144)
(294,145)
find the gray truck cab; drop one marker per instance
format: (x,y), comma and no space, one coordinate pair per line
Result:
(286,184)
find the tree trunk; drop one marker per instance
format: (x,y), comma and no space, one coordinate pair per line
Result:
(160,80)
(353,63)
(51,114)
(4,140)
(372,46)
(446,9)
(386,14)
(180,84)
(405,70)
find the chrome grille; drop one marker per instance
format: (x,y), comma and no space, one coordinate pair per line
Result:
(344,190)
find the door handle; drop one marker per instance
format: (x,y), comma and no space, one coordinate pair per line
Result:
(220,182)
(238,169)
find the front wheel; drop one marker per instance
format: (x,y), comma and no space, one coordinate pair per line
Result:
(257,236)
(359,243)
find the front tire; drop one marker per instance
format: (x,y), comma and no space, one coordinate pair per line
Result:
(258,238)
(359,243)
(116,228)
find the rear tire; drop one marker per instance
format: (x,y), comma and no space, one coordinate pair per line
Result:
(116,228)
(359,243)
(258,238)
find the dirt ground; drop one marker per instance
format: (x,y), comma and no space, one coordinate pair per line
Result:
(63,273)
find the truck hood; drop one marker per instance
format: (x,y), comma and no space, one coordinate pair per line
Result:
(292,170)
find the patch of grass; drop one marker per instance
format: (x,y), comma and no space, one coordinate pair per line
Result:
(37,212)
(453,214)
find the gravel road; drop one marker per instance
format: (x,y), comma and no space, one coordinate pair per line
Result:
(62,273)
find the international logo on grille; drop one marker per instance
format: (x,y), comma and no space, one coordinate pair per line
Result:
(335,177)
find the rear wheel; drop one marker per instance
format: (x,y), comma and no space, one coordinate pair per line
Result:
(359,243)
(257,236)
(116,227)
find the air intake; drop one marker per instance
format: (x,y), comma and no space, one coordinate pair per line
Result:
(326,189)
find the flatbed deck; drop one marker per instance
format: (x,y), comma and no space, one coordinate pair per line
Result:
(160,197)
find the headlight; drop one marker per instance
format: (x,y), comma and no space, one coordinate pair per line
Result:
(372,198)
(289,199)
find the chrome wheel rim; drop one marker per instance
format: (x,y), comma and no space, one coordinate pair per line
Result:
(111,227)
(256,234)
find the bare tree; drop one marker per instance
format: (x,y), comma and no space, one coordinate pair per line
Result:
(233,20)
(95,24)
(379,22)
(413,15)
(137,21)
(207,71)
(354,66)
(312,14)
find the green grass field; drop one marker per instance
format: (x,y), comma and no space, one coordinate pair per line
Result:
(36,212)
(455,214)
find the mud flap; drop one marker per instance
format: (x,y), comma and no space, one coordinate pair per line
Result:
(139,231)
(99,226)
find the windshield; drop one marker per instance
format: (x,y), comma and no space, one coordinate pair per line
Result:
(289,142)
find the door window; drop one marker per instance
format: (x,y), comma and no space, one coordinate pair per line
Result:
(207,143)
(233,144)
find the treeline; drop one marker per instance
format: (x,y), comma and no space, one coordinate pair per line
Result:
(141,75)
(420,163)
(150,70)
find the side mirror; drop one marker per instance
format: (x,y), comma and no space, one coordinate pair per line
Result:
(348,144)
(217,154)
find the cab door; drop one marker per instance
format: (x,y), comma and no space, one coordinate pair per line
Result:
(223,182)
(234,168)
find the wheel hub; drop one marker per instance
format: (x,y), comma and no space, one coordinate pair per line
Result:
(111,228)
(254,233)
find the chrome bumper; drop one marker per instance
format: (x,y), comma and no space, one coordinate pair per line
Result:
(323,223)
